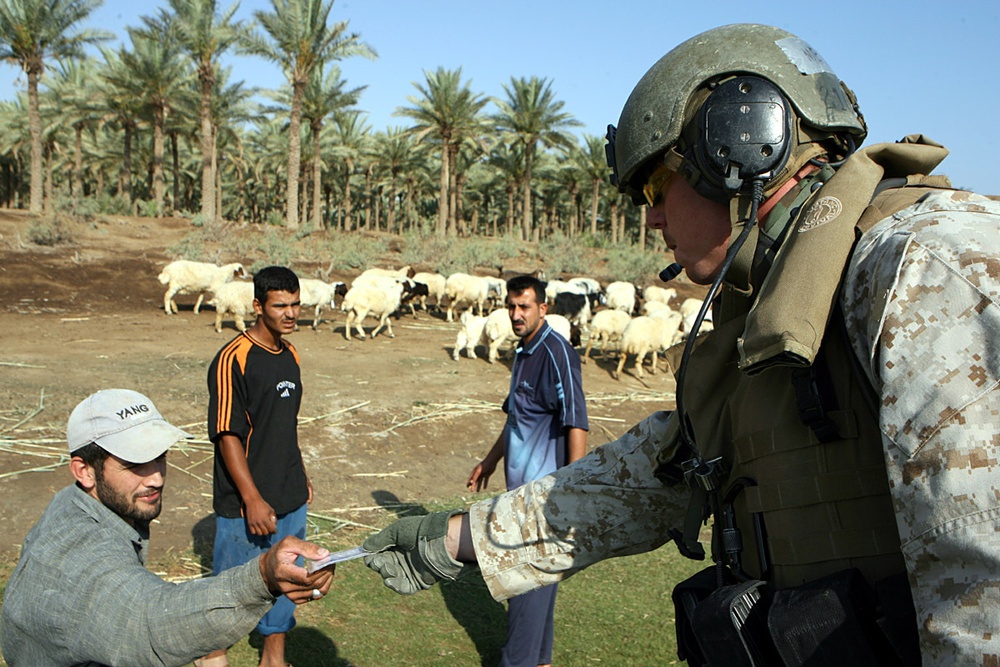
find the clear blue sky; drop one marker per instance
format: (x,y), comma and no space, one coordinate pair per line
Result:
(917,66)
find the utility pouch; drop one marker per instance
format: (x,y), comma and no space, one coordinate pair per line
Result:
(830,622)
(723,626)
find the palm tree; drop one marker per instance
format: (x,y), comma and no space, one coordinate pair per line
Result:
(32,31)
(448,112)
(300,41)
(204,34)
(118,91)
(324,96)
(74,98)
(592,161)
(532,113)
(352,137)
(155,74)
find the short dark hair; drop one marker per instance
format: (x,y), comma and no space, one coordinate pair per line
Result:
(93,455)
(274,279)
(522,283)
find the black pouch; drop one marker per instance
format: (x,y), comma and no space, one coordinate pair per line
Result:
(687,595)
(723,626)
(830,622)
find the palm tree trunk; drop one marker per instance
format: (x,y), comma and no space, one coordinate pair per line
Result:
(510,209)
(442,225)
(294,156)
(35,128)
(526,202)
(208,208)
(593,207)
(78,164)
(126,173)
(159,116)
(175,162)
(317,168)
(348,168)
(452,192)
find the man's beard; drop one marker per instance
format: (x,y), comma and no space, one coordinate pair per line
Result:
(124,506)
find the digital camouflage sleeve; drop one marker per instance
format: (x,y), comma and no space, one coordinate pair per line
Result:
(921,305)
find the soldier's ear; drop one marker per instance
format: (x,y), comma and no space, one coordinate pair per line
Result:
(83,473)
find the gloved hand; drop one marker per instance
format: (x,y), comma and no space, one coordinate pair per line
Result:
(411,554)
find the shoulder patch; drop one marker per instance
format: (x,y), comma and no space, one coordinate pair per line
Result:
(822,211)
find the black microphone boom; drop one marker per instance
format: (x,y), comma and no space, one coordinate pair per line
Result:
(671,272)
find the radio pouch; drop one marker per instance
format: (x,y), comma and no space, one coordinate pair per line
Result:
(830,622)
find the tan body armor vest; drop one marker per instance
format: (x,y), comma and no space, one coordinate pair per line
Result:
(825,505)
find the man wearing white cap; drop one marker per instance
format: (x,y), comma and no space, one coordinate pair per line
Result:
(81,593)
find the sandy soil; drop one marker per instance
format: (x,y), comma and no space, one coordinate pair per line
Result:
(384,420)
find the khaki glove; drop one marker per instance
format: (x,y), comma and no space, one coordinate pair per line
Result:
(411,554)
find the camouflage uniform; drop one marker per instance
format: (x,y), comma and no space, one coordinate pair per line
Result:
(919,301)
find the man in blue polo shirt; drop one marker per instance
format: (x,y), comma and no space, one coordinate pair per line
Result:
(546,428)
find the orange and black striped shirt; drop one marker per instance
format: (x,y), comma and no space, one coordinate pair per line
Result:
(255,394)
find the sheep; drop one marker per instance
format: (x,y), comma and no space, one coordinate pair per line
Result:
(234,299)
(621,296)
(651,307)
(496,292)
(380,300)
(564,328)
(607,327)
(588,285)
(461,287)
(575,307)
(657,293)
(469,335)
(435,288)
(368,274)
(491,331)
(187,277)
(317,293)
(648,334)
(689,311)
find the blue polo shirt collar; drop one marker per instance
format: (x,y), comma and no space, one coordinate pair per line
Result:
(543,331)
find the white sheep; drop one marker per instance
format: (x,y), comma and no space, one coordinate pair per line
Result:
(621,296)
(187,277)
(234,299)
(660,294)
(469,335)
(316,294)
(561,326)
(648,334)
(496,293)
(606,327)
(461,287)
(689,311)
(381,300)
(367,275)
(435,287)
(650,307)
(588,285)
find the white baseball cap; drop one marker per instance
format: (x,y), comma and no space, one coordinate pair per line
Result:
(124,423)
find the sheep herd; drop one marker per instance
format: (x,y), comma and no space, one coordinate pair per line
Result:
(631,320)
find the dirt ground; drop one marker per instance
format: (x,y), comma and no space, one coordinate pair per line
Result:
(383,420)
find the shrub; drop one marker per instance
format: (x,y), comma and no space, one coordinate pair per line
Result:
(49,231)
(633,265)
(563,255)
(351,250)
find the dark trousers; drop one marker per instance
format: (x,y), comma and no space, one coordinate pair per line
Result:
(530,629)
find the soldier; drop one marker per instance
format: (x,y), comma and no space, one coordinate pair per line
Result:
(838,425)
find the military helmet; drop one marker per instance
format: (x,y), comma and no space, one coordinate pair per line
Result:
(654,117)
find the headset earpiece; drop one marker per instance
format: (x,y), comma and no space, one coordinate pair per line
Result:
(745,135)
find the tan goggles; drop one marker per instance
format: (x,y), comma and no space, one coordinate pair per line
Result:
(654,186)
